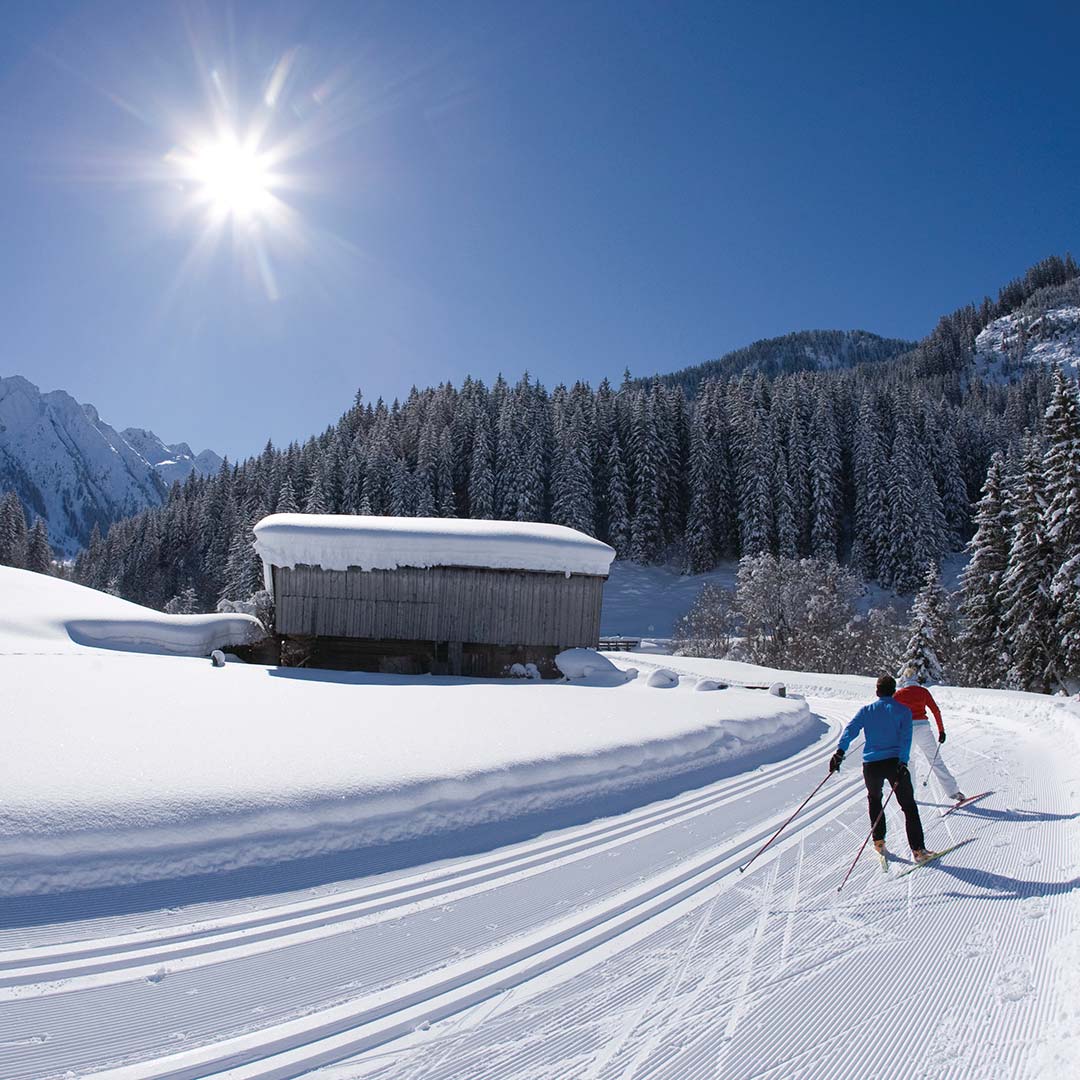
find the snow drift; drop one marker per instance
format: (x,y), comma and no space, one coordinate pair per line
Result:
(45,614)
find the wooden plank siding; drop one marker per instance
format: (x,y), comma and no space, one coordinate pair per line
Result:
(463,604)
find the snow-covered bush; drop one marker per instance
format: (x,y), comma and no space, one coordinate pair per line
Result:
(260,604)
(795,613)
(707,629)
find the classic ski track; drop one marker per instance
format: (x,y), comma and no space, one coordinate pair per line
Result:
(127,956)
(338,1031)
(295,1046)
(791,1045)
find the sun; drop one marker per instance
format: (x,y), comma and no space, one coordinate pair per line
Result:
(229,177)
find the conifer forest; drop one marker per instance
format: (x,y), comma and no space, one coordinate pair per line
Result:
(884,465)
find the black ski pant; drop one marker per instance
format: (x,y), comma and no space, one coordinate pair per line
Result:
(875,773)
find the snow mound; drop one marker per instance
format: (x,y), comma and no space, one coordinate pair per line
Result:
(341,541)
(663,678)
(45,614)
(710,684)
(581,663)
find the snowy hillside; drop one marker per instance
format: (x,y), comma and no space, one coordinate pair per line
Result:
(1009,346)
(74,470)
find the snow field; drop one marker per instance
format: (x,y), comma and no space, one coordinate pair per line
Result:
(955,972)
(625,947)
(197,769)
(132,768)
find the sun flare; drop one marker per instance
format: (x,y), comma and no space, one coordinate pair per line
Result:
(231,178)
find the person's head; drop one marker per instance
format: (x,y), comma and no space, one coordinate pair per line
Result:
(906,677)
(886,686)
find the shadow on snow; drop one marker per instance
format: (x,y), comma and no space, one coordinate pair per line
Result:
(364,862)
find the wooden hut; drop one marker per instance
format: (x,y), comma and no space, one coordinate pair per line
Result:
(440,595)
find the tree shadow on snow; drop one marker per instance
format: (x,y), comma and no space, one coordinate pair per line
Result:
(321,871)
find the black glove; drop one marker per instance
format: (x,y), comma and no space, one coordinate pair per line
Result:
(902,771)
(834,761)
(941,737)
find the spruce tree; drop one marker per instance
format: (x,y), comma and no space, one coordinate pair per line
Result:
(1027,615)
(700,526)
(38,552)
(13,532)
(927,647)
(981,646)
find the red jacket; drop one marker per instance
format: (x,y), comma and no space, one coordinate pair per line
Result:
(917,699)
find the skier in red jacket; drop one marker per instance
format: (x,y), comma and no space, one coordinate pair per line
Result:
(918,699)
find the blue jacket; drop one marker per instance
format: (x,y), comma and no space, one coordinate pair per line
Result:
(887,728)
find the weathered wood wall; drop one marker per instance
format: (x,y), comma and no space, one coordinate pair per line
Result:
(451,604)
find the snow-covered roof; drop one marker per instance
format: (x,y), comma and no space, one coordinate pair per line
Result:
(340,541)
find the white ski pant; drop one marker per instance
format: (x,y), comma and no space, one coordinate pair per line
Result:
(924,736)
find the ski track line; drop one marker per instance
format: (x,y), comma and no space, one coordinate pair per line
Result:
(1005,1036)
(53,968)
(1010,972)
(292,1046)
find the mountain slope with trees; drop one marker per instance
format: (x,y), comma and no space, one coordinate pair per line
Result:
(876,467)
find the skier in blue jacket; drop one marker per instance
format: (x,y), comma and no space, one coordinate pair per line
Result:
(886,728)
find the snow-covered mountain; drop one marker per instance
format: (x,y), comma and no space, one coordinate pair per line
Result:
(175,462)
(1009,346)
(72,469)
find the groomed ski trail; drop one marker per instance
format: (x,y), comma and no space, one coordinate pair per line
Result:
(636,931)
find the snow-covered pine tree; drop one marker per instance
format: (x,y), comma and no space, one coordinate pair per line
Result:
(902,562)
(1062,472)
(870,528)
(700,525)
(38,551)
(927,651)
(824,473)
(787,537)
(315,503)
(981,648)
(481,474)
(425,478)
(618,529)
(948,475)
(645,531)
(13,532)
(286,500)
(1027,609)
(444,475)
(572,483)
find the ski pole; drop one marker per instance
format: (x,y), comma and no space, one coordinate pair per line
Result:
(881,812)
(932,764)
(786,823)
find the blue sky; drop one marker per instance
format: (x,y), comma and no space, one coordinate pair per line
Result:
(570,189)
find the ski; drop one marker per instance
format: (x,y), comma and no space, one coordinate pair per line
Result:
(933,858)
(965,802)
